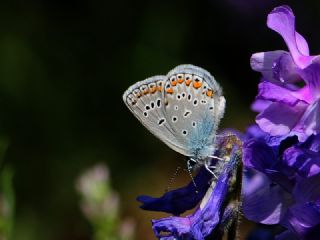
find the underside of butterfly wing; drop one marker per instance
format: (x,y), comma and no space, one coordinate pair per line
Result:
(194,107)
(145,100)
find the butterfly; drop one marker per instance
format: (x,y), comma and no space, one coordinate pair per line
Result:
(183,109)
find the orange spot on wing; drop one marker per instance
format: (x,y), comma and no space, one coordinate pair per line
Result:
(209,93)
(169,90)
(180,80)
(153,89)
(197,84)
(174,83)
(188,82)
(159,88)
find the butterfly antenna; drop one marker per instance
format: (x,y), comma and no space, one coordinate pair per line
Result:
(190,174)
(173,178)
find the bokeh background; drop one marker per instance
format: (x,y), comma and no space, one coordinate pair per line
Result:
(63,68)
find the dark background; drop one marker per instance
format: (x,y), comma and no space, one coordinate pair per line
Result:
(63,68)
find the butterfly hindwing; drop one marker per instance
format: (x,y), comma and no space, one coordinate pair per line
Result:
(194,108)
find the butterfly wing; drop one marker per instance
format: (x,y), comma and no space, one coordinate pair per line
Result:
(145,99)
(183,109)
(194,108)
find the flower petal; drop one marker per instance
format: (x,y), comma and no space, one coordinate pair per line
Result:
(306,163)
(312,143)
(260,105)
(275,66)
(302,44)
(311,75)
(258,155)
(253,131)
(287,235)
(310,121)
(304,94)
(273,92)
(263,201)
(282,20)
(173,226)
(279,118)
(307,189)
(179,200)
(302,219)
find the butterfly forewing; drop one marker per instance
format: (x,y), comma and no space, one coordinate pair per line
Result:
(145,100)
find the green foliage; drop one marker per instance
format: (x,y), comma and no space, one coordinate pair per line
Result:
(7,204)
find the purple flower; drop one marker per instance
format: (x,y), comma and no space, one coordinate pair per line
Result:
(179,200)
(283,184)
(284,108)
(210,217)
(207,216)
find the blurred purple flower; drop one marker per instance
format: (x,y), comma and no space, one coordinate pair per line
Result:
(283,184)
(284,107)
(98,199)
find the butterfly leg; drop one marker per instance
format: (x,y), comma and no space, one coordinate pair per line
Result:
(210,171)
(191,160)
(218,158)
